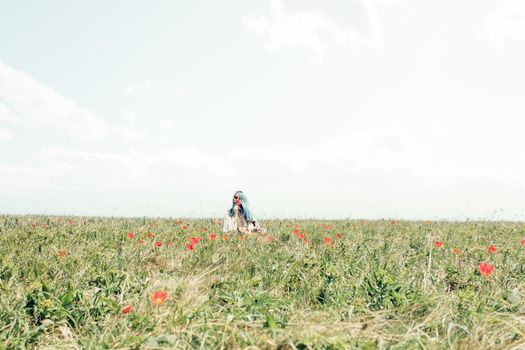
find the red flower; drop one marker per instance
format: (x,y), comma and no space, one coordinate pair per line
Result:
(485,269)
(61,253)
(170,244)
(331,227)
(393,222)
(328,241)
(44,225)
(325,227)
(69,222)
(194,240)
(225,237)
(456,251)
(295,232)
(301,236)
(189,246)
(205,229)
(33,225)
(159,297)
(131,235)
(241,238)
(492,249)
(213,236)
(180,221)
(126,309)
(158,244)
(141,241)
(339,235)
(149,235)
(270,238)
(438,244)
(523,242)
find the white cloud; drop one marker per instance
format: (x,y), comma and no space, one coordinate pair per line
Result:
(506,26)
(314,31)
(167,124)
(138,88)
(34,104)
(5,134)
(6,114)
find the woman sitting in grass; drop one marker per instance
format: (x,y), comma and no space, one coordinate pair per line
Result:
(239,217)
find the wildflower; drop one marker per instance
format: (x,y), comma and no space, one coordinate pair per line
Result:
(339,235)
(44,225)
(205,229)
(180,221)
(69,222)
(149,235)
(194,240)
(485,269)
(393,222)
(61,253)
(270,238)
(241,238)
(213,236)
(456,251)
(126,309)
(33,226)
(189,246)
(159,297)
(523,242)
(141,241)
(184,227)
(438,244)
(328,241)
(331,227)
(492,249)
(131,235)
(158,244)
(225,237)
(170,244)
(301,236)
(325,227)
(295,232)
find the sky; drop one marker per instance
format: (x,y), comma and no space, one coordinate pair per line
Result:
(354,109)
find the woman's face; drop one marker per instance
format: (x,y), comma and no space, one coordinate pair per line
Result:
(236,199)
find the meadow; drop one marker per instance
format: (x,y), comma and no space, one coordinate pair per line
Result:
(145,283)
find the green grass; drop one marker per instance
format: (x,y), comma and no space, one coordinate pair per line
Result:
(382,285)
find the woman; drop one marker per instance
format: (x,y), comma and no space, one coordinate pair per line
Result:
(239,218)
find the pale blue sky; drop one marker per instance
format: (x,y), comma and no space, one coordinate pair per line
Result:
(335,109)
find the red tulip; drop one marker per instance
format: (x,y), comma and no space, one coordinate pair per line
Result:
(328,240)
(170,244)
(393,222)
(456,251)
(438,244)
(158,244)
(523,242)
(205,229)
(339,235)
(189,246)
(69,222)
(485,269)
(301,236)
(184,227)
(61,253)
(126,309)
(492,249)
(159,297)
(141,241)
(295,232)
(131,235)
(33,225)
(325,227)
(270,238)
(213,236)
(149,235)
(180,221)
(225,237)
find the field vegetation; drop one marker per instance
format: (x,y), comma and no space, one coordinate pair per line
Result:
(144,283)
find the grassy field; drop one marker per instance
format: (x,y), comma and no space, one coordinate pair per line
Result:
(154,283)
